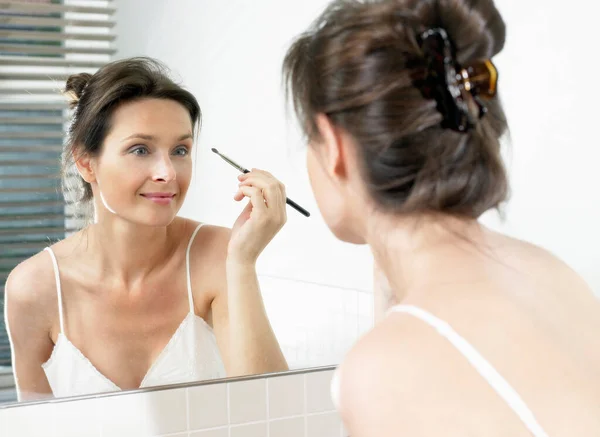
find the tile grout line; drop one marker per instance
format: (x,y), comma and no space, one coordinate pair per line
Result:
(278,419)
(240,425)
(298,416)
(228,410)
(305,407)
(187,410)
(268,411)
(212,428)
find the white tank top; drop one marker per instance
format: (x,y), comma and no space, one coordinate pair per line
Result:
(190,355)
(479,363)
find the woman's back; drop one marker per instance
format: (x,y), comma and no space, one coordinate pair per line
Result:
(531,317)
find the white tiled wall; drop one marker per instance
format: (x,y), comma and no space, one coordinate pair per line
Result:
(294,405)
(315,324)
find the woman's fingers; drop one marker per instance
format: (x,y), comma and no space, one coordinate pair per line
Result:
(254,194)
(238,195)
(262,218)
(273,189)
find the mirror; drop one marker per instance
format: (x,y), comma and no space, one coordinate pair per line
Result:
(316,308)
(317,291)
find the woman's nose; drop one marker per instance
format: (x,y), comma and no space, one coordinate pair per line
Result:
(164,171)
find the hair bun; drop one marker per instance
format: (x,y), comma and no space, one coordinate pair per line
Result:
(475,27)
(75,85)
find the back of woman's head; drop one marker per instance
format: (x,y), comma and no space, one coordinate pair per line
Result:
(359,64)
(94,99)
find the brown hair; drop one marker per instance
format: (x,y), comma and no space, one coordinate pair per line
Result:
(94,99)
(357,63)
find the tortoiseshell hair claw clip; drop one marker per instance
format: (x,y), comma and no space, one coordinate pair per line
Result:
(454,87)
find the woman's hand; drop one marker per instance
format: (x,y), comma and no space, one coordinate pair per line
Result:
(262,218)
(243,331)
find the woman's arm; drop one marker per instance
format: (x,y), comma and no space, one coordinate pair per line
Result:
(27,321)
(241,324)
(242,328)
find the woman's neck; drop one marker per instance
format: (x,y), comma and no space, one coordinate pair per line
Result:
(130,252)
(418,253)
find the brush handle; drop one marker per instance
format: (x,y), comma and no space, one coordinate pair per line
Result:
(290,202)
(297,207)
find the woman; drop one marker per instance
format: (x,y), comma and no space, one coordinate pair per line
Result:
(483,334)
(142,297)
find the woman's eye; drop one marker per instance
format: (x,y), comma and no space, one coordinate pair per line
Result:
(181,151)
(139,150)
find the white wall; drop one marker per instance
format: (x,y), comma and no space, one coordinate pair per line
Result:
(229,54)
(546,81)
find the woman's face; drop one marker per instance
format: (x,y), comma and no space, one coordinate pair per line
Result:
(144,169)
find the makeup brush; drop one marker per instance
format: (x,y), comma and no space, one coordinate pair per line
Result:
(245,170)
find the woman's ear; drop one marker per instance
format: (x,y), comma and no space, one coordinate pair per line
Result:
(83,163)
(333,143)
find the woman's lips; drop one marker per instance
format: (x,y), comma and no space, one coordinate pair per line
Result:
(160,198)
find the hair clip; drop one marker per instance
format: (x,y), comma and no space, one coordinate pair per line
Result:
(449,83)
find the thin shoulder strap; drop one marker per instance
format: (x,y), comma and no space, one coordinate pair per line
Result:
(58,289)
(481,365)
(187,268)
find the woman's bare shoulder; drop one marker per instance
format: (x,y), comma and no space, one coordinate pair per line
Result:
(207,254)
(31,287)
(210,240)
(384,370)
(33,282)
(544,266)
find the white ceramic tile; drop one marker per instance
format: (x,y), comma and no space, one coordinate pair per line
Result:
(318,392)
(207,406)
(28,421)
(144,414)
(311,335)
(123,415)
(249,430)
(286,396)
(323,425)
(220,432)
(168,412)
(287,427)
(77,418)
(247,401)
